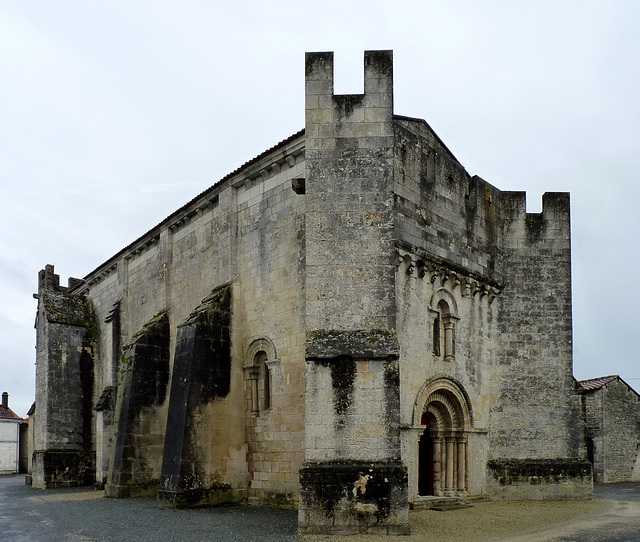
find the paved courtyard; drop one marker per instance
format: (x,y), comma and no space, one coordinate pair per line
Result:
(83,515)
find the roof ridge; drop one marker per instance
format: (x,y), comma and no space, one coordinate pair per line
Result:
(210,189)
(600,378)
(7,414)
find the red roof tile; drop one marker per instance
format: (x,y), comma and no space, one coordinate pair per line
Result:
(597,383)
(7,414)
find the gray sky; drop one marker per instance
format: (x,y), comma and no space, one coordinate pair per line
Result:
(113,114)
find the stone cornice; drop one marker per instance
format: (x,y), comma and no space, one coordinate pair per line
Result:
(416,263)
(271,165)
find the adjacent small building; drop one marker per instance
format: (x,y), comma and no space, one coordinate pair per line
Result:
(10,424)
(612,415)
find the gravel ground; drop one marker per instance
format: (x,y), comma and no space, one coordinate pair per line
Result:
(74,515)
(491,521)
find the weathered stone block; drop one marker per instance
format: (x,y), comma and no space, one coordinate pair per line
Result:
(351,497)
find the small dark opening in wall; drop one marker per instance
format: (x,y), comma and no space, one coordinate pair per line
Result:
(298,185)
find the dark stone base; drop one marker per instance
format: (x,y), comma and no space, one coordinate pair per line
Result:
(122,491)
(62,468)
(351,497)
(562,478)
(196,498)
(274,499)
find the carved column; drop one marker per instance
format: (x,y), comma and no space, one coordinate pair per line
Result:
(437,464)
(412,442)
(462,463)
(455,464)
(252,373)
(448,340)
(449,487)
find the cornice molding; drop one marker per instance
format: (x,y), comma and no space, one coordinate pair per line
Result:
(442,274)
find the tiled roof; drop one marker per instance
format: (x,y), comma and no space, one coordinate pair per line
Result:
(597,383)
(7,414)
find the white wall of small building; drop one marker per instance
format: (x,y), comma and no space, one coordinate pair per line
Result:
(9,445)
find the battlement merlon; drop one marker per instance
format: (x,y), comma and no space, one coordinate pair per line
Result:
(555,205)
(551,226)
(49,281)
(319,88)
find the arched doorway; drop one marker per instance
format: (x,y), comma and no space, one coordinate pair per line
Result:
(443,409)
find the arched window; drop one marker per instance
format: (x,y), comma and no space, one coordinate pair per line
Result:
(264,381)
(444,311)
(447,332)
(260,362)
(260,377)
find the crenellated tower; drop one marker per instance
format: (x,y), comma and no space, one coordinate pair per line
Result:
(353,477)
(66,333)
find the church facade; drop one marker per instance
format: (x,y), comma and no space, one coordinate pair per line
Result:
(348,323)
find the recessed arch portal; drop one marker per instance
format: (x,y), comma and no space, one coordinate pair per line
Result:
(443,408)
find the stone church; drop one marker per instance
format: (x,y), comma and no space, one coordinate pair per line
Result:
(349,323)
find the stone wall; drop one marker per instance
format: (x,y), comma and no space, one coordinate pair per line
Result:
(538,412)
(540,479)
(484,300)
(170,270)
(537,415)
(441,210)
(447,253)
(201,375)
(269,315)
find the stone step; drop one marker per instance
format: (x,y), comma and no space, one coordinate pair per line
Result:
(439,503)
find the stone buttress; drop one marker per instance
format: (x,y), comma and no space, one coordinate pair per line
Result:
(65,339)
(142,389)
(353,479)
(201,374)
